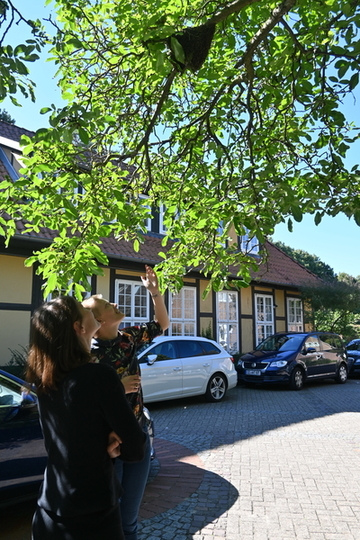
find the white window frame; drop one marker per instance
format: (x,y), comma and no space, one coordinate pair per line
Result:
(162,210)
(220,232)
(249,245)
(148,219)
(228,326)
(264,321)
(187,325)
(131,318)
(295,314)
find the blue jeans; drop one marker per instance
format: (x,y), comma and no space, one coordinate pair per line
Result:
(133,478)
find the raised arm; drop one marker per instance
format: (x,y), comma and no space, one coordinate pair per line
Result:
(150,281)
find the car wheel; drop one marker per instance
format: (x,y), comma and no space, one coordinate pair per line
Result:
(342,374)
(216,388)
(297,379)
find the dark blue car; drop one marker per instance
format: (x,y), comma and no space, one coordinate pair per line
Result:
(353,352)
(293,358)
(22,451)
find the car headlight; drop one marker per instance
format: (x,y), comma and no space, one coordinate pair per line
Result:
(279,363)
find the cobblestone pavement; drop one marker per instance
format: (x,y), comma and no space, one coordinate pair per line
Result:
(265,464)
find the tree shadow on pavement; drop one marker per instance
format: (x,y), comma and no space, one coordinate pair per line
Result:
(183,491)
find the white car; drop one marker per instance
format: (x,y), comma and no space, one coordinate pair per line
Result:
(181,366)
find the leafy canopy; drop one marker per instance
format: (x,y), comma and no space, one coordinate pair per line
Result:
(223,111)
(14,68)
(333,307)
(6,117)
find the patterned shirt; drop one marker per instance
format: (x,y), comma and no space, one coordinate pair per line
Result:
(120,353)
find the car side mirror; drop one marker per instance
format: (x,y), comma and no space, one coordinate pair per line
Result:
(310,350)
(151,359)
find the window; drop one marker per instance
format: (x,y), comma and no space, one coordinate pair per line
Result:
(295,315)
(220,231)
(312,342)
(249,245)
(162,228)
(264,313)
(330,341)
(132,299)
(148,219)
(182,312)
(163,351)
(210,348)
(189,348)
(227,320)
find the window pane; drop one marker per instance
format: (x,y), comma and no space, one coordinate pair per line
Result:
(183,311)
(222,307)
(140,301)
(176,329)
(189,329)
(176,306)
(209,348)
(189,348)
(232,306)
(260,308)
(132,299)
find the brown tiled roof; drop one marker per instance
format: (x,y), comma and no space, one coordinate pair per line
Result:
(280,269)
(14,133)
(277,269)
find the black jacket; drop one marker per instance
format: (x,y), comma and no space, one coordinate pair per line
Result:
(76,421)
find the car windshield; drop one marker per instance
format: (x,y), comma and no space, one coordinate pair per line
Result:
(283,342)
(353,346)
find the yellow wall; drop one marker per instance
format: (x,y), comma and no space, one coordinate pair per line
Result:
(129,273)
(263,290)
(280,302)
(15,280)
(246,302)
(232,234)
(246,335)
(14,332)
(103,284)
(206,305)
(280,326)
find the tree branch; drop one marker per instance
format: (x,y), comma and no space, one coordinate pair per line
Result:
(265,30)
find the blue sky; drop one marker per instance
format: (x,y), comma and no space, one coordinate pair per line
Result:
(335,240)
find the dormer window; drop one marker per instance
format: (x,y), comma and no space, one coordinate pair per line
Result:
(162,210)
(249,245)
(148,219)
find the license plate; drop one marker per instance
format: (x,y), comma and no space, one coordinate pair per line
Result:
(256,372)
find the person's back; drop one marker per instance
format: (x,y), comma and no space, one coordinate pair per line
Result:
(76,420)
(86,422)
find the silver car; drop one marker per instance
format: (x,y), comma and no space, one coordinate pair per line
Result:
(177,367)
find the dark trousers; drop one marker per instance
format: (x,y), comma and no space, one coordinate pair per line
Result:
(97,526)
(133,478)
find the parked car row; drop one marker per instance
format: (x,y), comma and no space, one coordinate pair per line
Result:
(353,352)
(172,368)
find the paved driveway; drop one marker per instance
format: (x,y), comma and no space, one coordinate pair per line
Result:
(269,464)
(265,464)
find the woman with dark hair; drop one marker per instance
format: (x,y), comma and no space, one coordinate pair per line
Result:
(85,417)
(118,348)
